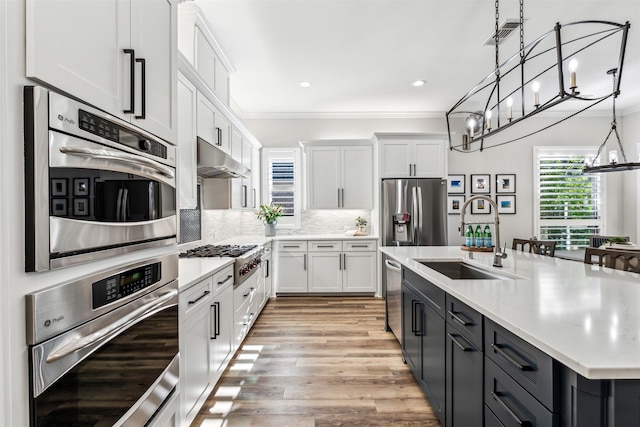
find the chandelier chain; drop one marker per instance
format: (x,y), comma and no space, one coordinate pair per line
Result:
(521,28)
(496,37)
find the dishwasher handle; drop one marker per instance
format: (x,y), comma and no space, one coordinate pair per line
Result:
(392,265)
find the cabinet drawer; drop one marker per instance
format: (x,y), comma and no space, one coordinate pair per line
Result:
(243,294)
(433,296)
(196,296)
(533,369)
(325,245)
(291,246)
(359,245)
(511,403)
(222,279)
(465,319)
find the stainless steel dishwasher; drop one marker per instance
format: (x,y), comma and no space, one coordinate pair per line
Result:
(392,280)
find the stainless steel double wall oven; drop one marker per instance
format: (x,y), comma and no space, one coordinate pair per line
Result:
(103,349)
(95,185)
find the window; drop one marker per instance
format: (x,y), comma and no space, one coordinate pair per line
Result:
(568,206)
(282,183)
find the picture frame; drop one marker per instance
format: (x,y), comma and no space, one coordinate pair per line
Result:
(456,184)
(506,204)
(481,184)
(454,204)
(506,183)
(480,206)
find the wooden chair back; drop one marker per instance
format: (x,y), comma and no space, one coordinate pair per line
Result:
(540,247)
(597,240)
(613,258)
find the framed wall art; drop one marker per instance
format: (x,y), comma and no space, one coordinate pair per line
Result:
(506,183)
(455,184)
(480,206)
(506,204)
(480,184)
(454,204)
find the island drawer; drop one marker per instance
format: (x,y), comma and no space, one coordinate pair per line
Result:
(465,319)
(533,369)
(510,403)
(291,246)
(434,296)
(360,245)
(325,246)
(222,278)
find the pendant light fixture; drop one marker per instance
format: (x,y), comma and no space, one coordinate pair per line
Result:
(613,165)
(522,86)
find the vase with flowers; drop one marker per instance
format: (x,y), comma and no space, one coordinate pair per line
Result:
(269,215)
(361,223)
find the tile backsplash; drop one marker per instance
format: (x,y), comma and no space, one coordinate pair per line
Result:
(220,225)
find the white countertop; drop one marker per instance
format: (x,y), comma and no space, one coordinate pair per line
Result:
(322,237)
(586,317)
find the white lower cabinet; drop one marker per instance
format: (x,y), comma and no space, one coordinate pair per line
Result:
(244,308)
(221,331)
(323,266)
(195,368)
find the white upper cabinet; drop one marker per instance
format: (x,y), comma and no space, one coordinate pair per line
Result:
(412,155)
(339,175)
(187,180)
(96,50)
(198,44)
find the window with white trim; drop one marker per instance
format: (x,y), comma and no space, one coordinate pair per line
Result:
(568,206)
(281,180)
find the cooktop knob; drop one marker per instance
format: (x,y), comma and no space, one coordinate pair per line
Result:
(144,144)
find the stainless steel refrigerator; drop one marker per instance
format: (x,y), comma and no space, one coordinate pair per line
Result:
(414,213)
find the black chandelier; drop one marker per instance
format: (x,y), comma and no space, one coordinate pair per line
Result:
(489,108)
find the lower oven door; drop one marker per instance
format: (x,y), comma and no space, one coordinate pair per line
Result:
(115,370)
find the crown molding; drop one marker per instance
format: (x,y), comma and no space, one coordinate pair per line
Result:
(342,115)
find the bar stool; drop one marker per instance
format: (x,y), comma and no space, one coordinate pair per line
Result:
(540,247)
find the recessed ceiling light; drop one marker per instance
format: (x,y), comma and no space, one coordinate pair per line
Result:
(419,83)
(304,83)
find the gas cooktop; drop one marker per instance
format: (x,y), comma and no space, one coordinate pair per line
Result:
(233,251)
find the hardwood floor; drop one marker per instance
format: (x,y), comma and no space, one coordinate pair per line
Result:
(318,361)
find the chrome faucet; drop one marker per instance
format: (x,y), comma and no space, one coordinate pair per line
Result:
(500,254)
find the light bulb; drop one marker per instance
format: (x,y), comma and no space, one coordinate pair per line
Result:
(509,108)
(487,116)
(536,93)
(573,66)
(472,125)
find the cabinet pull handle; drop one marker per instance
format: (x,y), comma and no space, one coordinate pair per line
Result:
(143,88)
(456,342)
(359,246)
(199,298)
(215,317)
(342,192)
(244,196)
(498,349)
(340,262)
(417,322)
(248,293)
(254,198)
(338,197)
(512,414)
(305,261)
(219,136)
(132,64)
(291,246)
(344,261)
(325,246)
(266,271)
(458,319)
(225,280)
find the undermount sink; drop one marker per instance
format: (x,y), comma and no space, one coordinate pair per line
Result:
(459,270)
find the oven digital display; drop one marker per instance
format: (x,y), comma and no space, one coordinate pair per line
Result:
(124,284)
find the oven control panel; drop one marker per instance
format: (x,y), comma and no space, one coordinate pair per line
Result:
(123,284)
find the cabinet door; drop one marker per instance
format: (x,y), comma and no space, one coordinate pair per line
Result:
(187,180)
(325,272)
(206,123)
(221,87)
(411,326)
(221,330)
(194,349)
(154,39)
(395,159)
(205,60)
(464,403)
(323,175)
(81,50)
(236,144)
(356,172)
(359,272)
(223,123)
(429,159)
(291,273)
(268,278)
(433,360)
(255,178)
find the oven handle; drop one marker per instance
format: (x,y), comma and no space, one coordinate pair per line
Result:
(118,157)
(111,330)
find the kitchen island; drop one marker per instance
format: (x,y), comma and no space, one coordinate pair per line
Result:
(585,319)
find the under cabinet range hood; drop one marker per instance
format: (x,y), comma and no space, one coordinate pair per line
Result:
(215,163)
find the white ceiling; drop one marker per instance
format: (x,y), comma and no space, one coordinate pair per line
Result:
(362,55)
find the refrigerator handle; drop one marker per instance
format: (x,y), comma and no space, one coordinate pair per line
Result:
(414,216)
(419,222)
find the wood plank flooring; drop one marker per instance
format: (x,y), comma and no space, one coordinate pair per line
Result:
(318,361)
